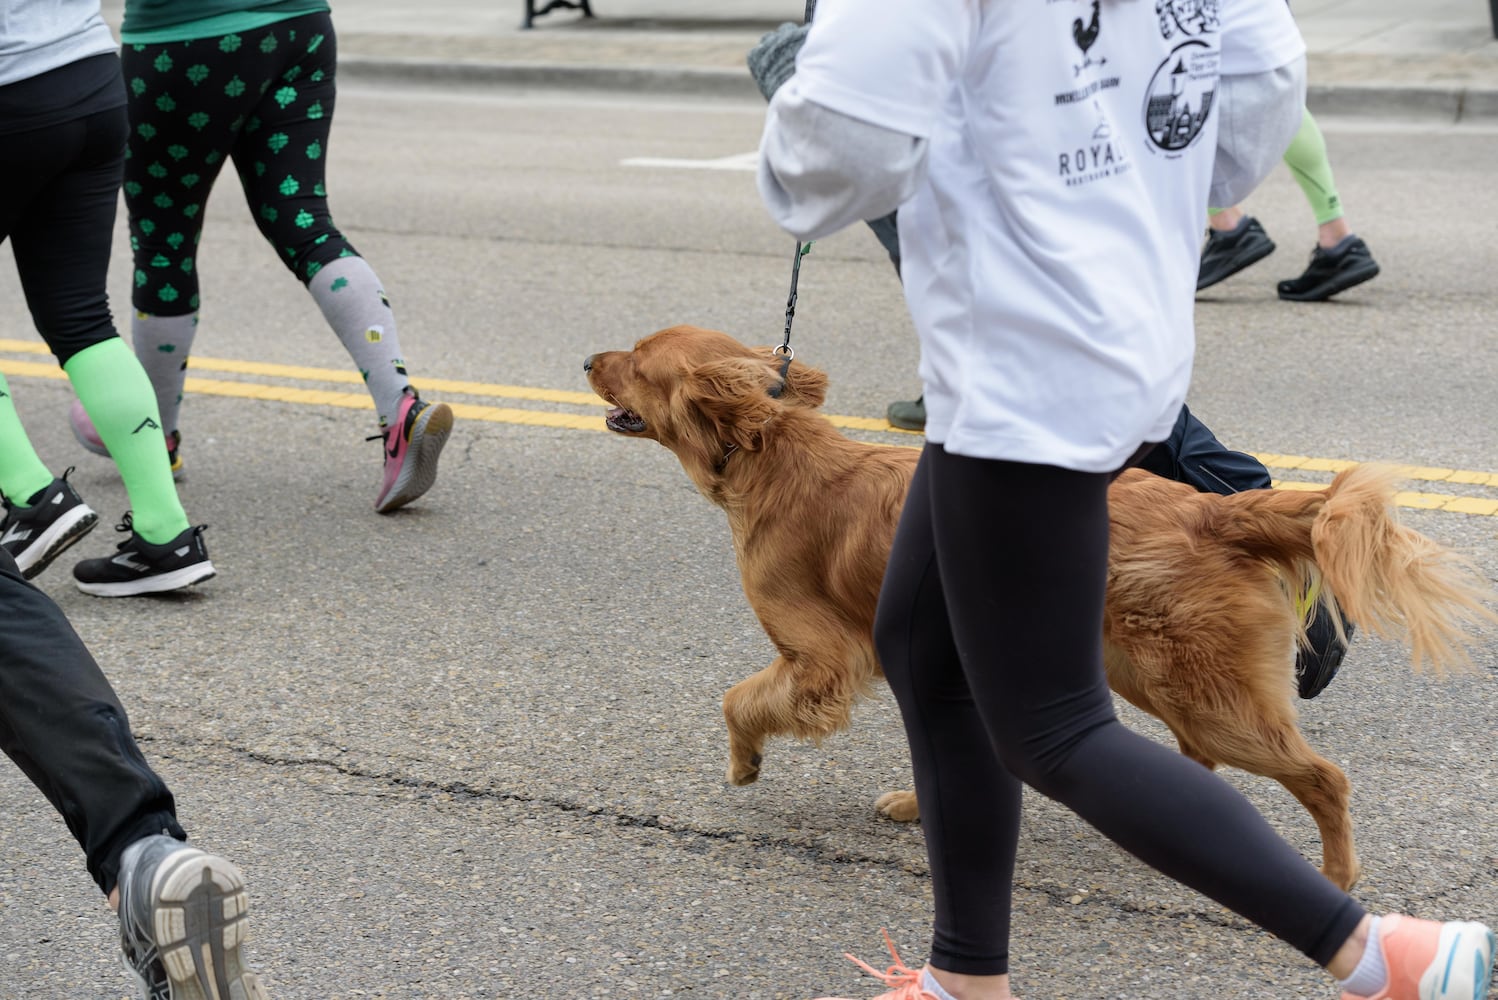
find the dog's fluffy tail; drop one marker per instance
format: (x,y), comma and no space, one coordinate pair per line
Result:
(1388,579)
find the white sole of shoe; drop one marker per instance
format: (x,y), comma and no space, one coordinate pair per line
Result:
(160,583)
(56,540)
(199,919)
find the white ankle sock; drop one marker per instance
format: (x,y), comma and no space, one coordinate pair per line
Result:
(1370,975)
(930,985)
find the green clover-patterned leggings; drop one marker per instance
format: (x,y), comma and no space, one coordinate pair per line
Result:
(263,98)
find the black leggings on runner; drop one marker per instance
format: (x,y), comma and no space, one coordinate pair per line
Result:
(61,187)
(990,632)
(263,98)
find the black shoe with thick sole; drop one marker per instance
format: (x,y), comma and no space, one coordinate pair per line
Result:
(139,567)
(1330,273)
(47,526)
(1228,252)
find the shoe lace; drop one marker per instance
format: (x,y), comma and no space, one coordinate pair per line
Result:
(404,426)
(140,956)
(149,973)
(904,981)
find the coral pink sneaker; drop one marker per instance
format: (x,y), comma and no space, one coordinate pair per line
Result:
(1432,961)
(906,982)
(412,445)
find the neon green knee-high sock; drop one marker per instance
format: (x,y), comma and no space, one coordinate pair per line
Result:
(114,389)
(1308,162)
(22,472)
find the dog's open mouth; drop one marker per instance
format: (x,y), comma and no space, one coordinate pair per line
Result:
(624,421)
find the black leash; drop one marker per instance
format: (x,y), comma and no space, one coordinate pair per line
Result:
(784,351)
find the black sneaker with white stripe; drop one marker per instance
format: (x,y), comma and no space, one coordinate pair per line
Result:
(142,568)
(53,519)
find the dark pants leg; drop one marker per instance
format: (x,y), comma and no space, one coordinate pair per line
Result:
(990,632)
(266,103)
(63,726)
(61,186)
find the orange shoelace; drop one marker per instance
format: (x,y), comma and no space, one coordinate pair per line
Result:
(906,982)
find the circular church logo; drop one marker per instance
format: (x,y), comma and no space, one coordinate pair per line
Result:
(1180,96)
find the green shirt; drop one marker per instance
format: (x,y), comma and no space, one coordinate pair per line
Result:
(153,21)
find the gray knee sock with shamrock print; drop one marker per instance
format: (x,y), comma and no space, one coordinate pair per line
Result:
(349,294)
(162,343)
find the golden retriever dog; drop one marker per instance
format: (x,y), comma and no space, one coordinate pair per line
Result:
(1201,615)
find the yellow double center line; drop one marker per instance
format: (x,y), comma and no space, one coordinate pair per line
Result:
(279,392)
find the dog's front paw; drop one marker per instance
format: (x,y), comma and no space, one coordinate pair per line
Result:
(744,772)
(898,806)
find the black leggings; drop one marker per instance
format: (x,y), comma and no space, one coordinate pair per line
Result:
(990,632)
(61,187)
(63,726)
(263,98)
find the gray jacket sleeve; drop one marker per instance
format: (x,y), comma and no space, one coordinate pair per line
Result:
(1260,115)
(820,170)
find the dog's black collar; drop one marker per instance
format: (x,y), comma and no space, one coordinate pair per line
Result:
(723,462)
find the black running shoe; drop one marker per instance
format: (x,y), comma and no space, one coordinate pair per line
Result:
(907,414)
(1227,253)
(142,568)
(183,920)
(1331,272)
(52,520)
(1318,662)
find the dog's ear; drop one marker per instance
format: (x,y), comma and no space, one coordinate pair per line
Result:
(803,385)
(733,395)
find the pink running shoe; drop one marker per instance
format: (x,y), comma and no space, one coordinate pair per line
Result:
(83,430)
(1432,961)
(906,982)
(412,446)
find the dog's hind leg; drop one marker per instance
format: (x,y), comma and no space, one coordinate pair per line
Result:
(1324,790)
(1280,752)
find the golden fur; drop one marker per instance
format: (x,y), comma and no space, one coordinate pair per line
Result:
(1199,624)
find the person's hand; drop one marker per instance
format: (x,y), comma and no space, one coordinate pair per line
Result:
(773,60)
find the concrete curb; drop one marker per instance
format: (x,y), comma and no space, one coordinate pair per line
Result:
(1453,105)
(1448,104)
(688,81)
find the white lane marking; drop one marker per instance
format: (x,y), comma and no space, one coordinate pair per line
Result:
(739,161)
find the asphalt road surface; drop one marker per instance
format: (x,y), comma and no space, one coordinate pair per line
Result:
(474,749)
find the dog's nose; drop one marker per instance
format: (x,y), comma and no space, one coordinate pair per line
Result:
(588,363)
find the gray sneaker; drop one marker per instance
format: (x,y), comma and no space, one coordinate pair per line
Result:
(182,922)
